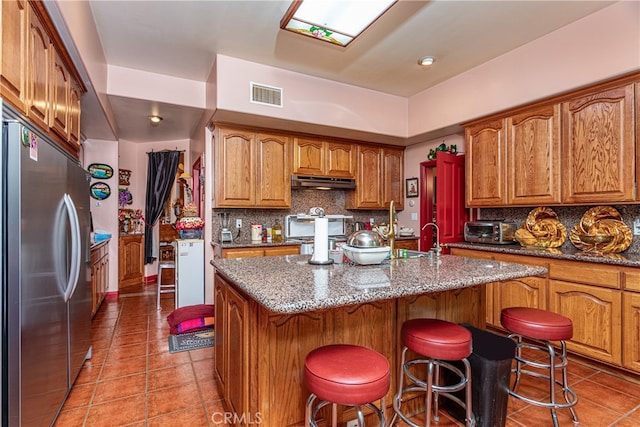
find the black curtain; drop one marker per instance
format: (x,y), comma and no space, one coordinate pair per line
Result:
(161,174)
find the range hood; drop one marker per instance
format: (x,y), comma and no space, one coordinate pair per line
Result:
(321,182)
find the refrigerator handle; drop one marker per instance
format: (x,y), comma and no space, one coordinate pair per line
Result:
(76,252)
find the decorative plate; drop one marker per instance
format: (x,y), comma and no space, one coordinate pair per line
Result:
(542,229)
(100,171)
(100,190)
(601,230)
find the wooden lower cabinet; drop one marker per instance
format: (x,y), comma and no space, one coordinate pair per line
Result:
(261,251)
(631,330)
(524,292)
(99,275)
(596,314)
(407,244)
(130,259)
(259,354)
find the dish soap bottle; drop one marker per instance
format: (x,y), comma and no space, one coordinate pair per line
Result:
(277,232)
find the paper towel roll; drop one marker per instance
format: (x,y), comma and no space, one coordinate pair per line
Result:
(321,240)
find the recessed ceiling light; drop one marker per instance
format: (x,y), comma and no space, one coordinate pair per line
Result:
(155,119)
(427,60)
(334,21)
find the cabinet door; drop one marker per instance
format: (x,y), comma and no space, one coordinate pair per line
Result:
(368,192)
(340,160)
(237,352)
(598,147)
(393,177)
(60,88)
(235,179)
(13,53)
(485,164)
(39,73)
(74,114)
(630,331)
(525,292)
(131,260)
(282,250)
(533,146)
(273,170)
(308,157)
(220,326)
(242,252)
(596,315)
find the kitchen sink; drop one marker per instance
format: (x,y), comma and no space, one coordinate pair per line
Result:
(418,254)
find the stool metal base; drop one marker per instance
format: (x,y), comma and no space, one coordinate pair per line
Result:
(556,361)
(432,390)
(311,411)
(169,287)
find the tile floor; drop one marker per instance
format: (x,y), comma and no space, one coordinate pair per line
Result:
(133,380)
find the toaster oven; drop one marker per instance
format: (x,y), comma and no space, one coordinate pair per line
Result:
(493,232)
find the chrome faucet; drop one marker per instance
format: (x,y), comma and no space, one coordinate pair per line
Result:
(437,249)
(391,232)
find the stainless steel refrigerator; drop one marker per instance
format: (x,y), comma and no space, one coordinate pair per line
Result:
(46,276)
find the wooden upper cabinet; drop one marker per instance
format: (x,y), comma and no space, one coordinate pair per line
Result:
(598,147)
(74,114)
(393,177)
(368,192)
(323,158)
(485,164)
(60,88)
(340,160)
(39,72)
(273,171)
(252,170)
(533,150)
(13,53)
(235,179)
(309,156)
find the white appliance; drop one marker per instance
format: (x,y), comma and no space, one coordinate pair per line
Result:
(189,272)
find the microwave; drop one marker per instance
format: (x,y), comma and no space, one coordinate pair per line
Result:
(492,232)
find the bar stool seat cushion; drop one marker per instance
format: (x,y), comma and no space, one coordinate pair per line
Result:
(437,339)
(537,324)
(347,374)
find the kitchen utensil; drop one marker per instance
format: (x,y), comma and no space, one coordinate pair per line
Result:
(225,232)
(359,225)
(367,256)
(365,239)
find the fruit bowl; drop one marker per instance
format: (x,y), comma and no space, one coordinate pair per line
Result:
(366,256)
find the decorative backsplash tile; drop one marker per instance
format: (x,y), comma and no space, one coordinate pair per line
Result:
(569,216)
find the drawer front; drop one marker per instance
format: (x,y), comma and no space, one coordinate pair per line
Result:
(242,252)
(521,259)
(471,253)
(632,280)
(583,272)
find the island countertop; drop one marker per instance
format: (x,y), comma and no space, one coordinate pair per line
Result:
(289,284)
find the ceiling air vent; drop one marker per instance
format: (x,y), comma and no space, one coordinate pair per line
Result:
(266,95)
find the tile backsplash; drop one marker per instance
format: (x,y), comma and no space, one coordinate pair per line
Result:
(332,201)
(569,216)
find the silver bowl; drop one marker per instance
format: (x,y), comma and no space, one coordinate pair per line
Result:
(365,239)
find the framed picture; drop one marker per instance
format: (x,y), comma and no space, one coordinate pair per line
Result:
(412,187)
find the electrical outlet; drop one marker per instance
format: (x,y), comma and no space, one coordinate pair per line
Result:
(414,216)
(352,423)
(636,227)
(238,222)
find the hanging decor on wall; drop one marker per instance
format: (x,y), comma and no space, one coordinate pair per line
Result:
(100,171)
(100,190)
(124,176)
(124,197)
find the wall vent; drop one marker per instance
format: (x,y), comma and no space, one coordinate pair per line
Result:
(266,95)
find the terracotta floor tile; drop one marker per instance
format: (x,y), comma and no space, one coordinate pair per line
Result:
(120,387)
(118,412)
(71,417)
(617,383)
(124,367)
(80,396)
(166,360)
(209,390)
(630,420)
(615,400)
(192,417)
(88,374)
(203,368)
(216,413)
(201,354)
(127,351)
(131,338)
(172,376)
(172,399)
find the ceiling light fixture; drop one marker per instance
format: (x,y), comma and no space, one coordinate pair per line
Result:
(427,60)
(155,120)
(333,21)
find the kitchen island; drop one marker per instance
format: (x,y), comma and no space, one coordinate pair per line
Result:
(272,311)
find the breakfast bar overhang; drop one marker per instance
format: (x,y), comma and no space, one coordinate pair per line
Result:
(271,311)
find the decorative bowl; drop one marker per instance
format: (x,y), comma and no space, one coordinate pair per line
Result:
(365,239)
(366,256)
(595,239)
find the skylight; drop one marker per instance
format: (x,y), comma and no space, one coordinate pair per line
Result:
(334,21)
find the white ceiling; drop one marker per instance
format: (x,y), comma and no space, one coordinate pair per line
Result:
(182,38)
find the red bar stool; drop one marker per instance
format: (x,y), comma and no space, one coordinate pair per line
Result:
(438,341)
(539,328)
(348,375)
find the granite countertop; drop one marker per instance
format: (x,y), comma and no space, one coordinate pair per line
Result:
(568,253)
(96,245)
(289,284)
